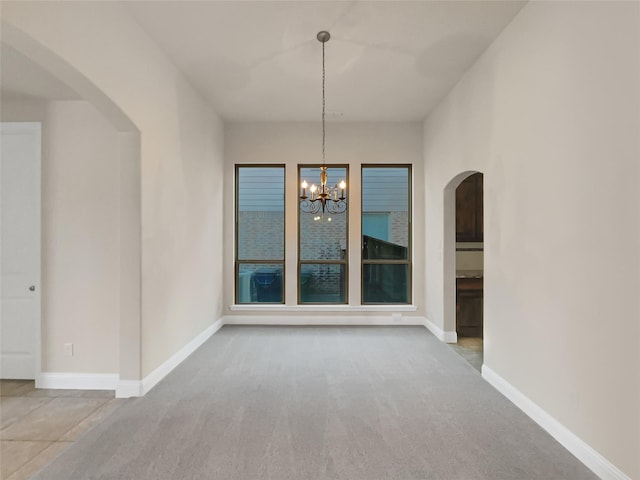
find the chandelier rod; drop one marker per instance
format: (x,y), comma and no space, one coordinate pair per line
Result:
(323,102)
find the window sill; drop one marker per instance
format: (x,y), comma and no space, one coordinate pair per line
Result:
(323,308)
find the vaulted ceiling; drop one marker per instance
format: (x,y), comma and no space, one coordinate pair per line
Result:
(261,61)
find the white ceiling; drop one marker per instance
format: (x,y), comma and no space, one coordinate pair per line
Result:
(260,60)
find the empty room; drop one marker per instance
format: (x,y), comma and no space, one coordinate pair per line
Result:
(358,240)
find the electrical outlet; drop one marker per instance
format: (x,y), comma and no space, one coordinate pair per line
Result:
(68,349)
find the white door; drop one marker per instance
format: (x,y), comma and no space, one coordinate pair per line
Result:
(20,245)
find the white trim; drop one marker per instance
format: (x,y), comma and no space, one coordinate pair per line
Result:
(129,388)
(586,454)
(322,308)
(450,337)
(78,381)
(177,358)
(446,337)
(393,319)
(138,388)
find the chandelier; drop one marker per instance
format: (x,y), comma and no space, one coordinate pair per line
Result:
(323,198)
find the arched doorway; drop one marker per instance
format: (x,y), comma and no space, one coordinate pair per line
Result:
(464,265)
(126,152)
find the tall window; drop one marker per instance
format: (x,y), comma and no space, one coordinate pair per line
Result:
(259,266)
(386,234)
(322,246)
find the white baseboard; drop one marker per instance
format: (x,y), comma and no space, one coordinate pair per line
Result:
(77,381)
(587,455)
(446,337)
(450,337)
(129,388)
(133,388)
(333,320)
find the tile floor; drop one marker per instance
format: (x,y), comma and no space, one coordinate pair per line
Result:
(470,349)
(37,424)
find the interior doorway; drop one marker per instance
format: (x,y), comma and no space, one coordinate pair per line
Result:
(20,192)
(58,82)
(469,269)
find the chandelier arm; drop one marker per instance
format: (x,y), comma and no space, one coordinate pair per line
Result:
(323,205)
(310,206)
(338,207)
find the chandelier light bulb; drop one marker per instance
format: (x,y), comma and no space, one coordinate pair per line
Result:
(304,184)
(343,185)
(313,188)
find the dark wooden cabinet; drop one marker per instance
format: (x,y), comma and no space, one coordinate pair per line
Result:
(469,207)
(469,307)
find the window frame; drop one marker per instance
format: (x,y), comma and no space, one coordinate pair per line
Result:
(237,261)
(344,261)
(409,260)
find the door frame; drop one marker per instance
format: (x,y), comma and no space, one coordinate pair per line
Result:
(34,129)
(449,255)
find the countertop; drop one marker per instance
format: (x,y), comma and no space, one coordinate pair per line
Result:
(469,274)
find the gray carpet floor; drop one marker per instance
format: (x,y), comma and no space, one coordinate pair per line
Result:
(319,403)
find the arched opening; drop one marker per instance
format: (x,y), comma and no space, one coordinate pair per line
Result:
(125,207)
(464,265)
